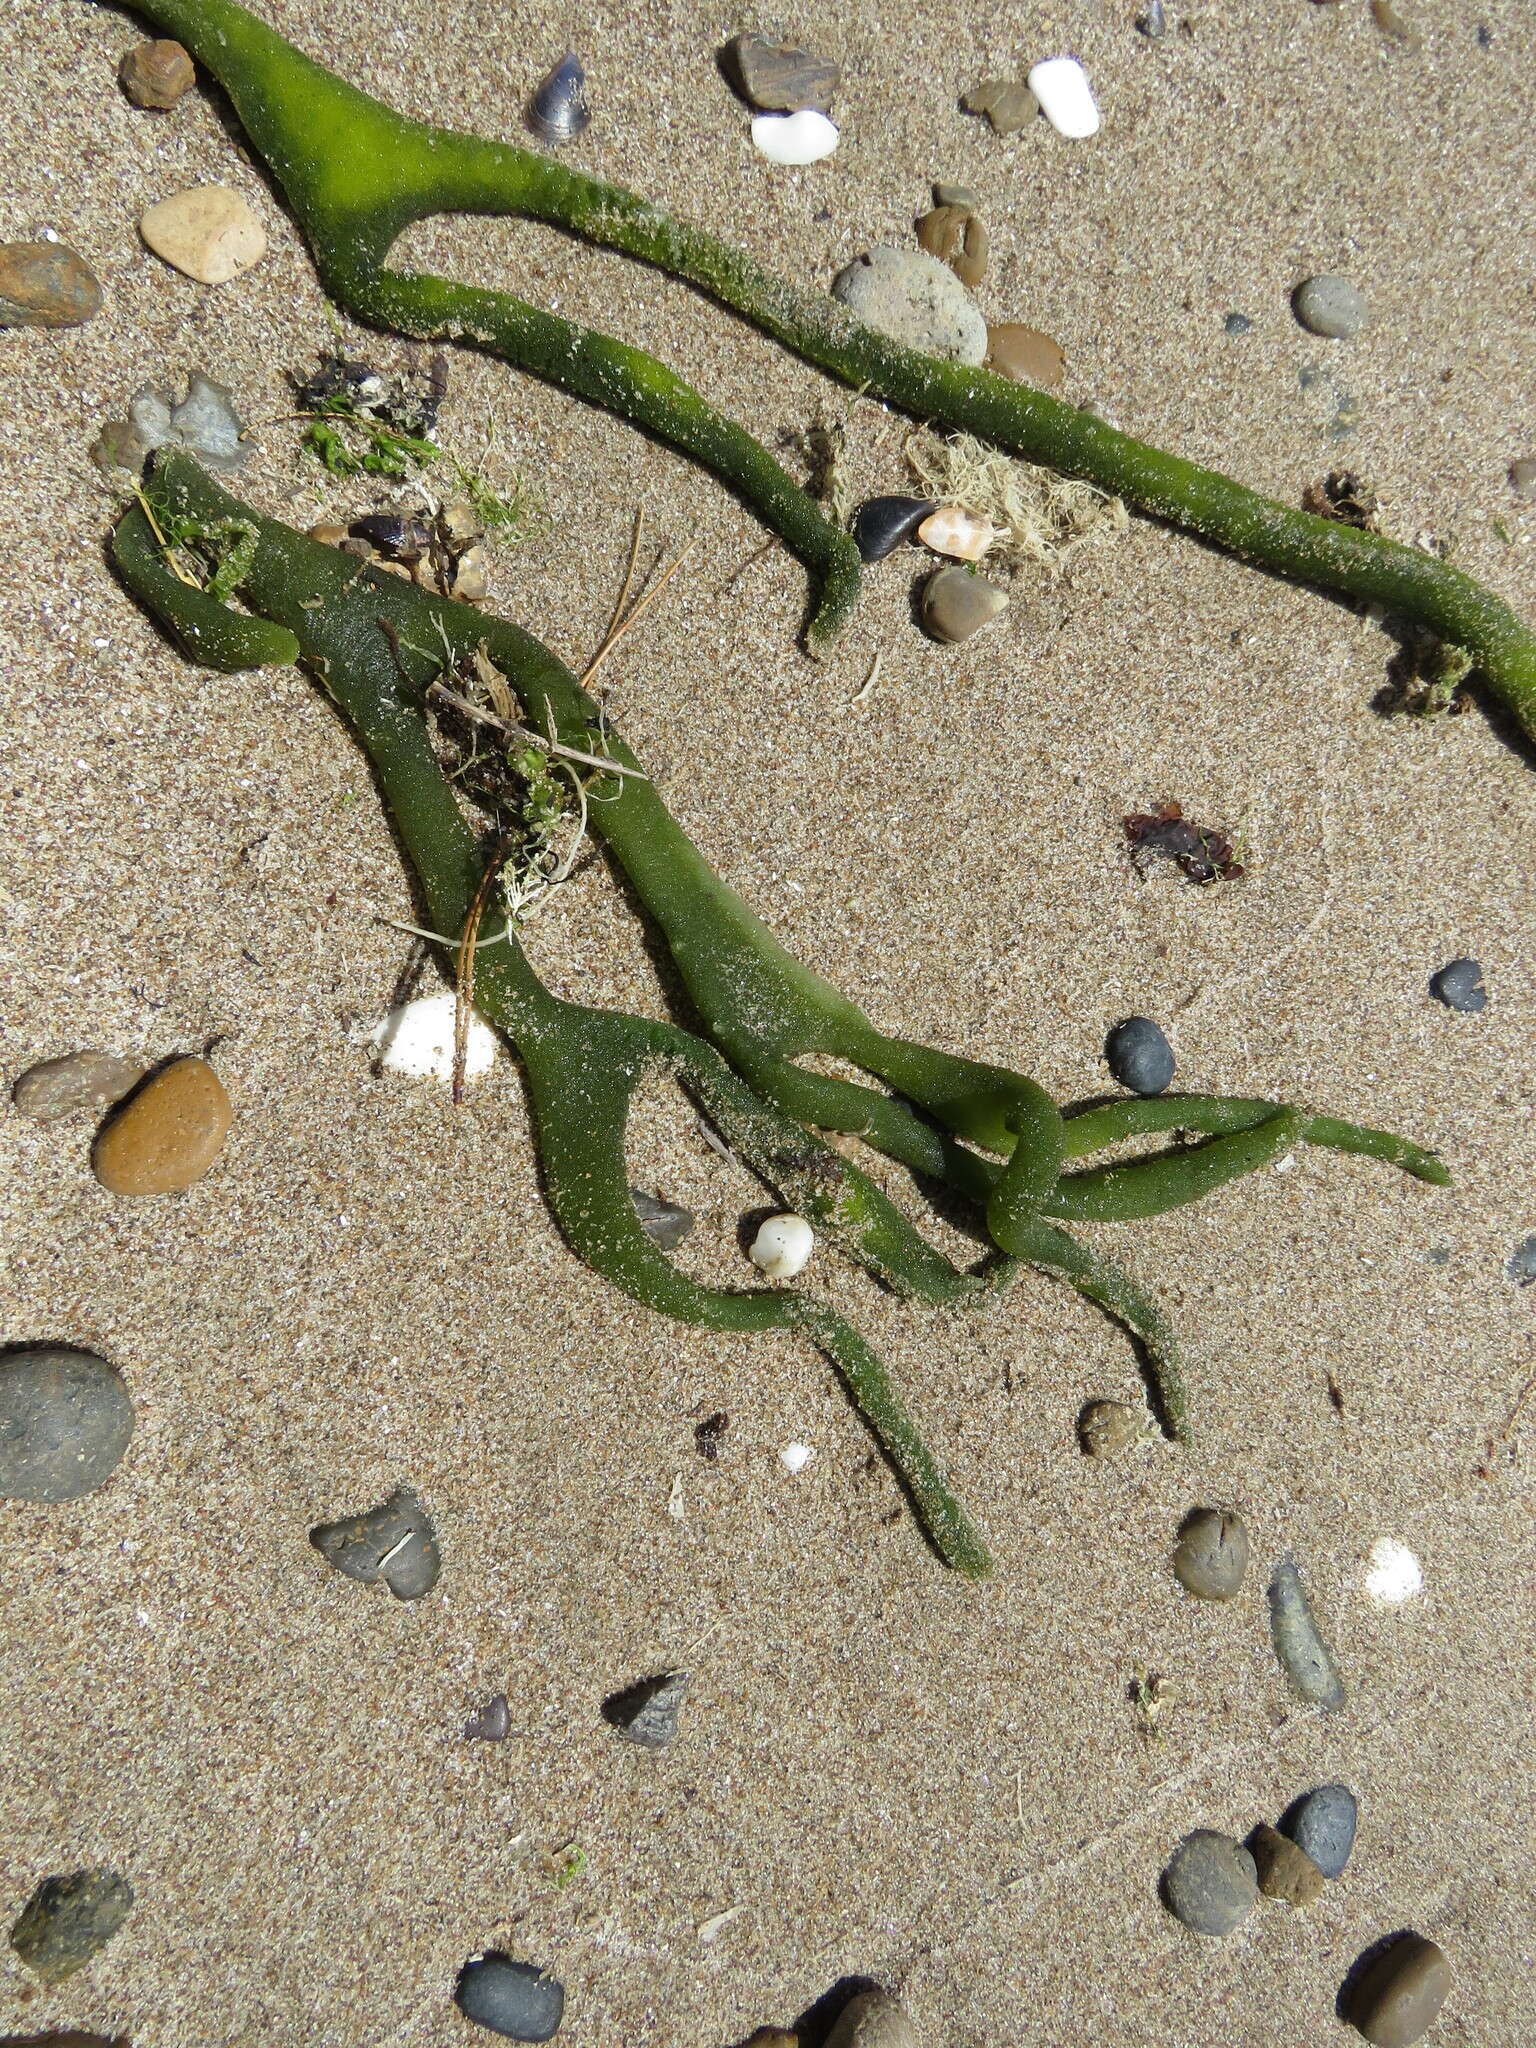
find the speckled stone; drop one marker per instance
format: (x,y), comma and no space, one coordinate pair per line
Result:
(1211,1883)
(1211,1555)
(394,1542)
(167,1136)
(1104,1428)
(54,1089)
(1331,307)
(1322,1825)
(65,1421)
(1285,1871)
(1397,1997)
(509,1998)
(916,300)
(1459,985)
(646,1713)
(1007,103)
(68,1919)
(1304,1656)
(955,604)
(46,284)
(155,75)
(872,2019)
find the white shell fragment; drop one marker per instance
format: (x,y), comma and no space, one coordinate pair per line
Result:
(803,138)
(1066,98)
(783,1247)
(1392,1573)
(795,1457)
(954,531)
(416,1040)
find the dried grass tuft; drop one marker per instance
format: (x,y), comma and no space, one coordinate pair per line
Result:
(1040,517)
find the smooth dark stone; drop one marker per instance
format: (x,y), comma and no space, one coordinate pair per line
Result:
(647,1713)
(558,111)
(1211,1555)
(778,78)
(1139,1056)
(881,525)
(1397,1997)
(67,1919)
(1236,323)
(65,1421)
(1304,1656)
(509,1998)
(1459,985)
(1211,1883)
(664,1223)
(394,1542)
(493,1722)
(1322,1823)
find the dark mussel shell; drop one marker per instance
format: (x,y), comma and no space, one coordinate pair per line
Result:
(403,539)
(558,111)
(882,524)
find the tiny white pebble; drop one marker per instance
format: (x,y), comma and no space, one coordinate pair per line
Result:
(1066,98)
(783,1246)
(675,1507)
(1285,1165)
(1392,1573)
(795,1457)
(416,1040)
(803,138)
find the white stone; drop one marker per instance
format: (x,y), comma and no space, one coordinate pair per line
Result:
(783,1247)
(954,531)
(1066,98)
(803,138)
(1392,1573)
(795,1457)
(208,233)
(416,1041)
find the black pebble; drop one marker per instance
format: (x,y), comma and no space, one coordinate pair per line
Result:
(1139,1056)
(647,1713)
(1237,323)
(1459,985)
(493,1723)
(881,525)
(394,1542)
(509,1998)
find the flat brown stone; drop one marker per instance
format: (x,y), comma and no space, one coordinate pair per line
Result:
(1285,1872)
(45,284)
(1025,355)
(166,1136)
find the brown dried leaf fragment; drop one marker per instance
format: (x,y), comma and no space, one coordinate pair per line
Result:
(1201,851)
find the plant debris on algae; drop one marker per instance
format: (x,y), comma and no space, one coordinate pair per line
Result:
(1040,517)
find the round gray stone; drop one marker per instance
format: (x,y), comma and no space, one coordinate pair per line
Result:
(509,1998)
(1322,1824)
(916,300)
(65,1421)
(1459,985)
(955,604)
(1211,1884)
(1330,306)
(1139,1056)
(1211,1554)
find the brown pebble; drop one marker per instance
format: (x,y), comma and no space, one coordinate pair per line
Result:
(1285,1871)
(958,238)
(330,536)
(1398,1996)
(1106,1427)
(45,284)
(1211,1555)
(1522,477)
(771,2037)
(1007,104)
(79,1080)
(1025,355)
(471,578)
(166,1136)
(155,75)
(873,2020)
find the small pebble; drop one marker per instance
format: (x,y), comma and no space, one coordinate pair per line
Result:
(1397,1997)
(155,75)
(1237,323)
(1330,306)
(1392,1573)
(415,1040)
(1060,84)
(872,2019)
(1139,1056)
(1459,985)
(1211,1555)
(1522,477)
(1520,1266)
(68,1919)
(958,238)
(492,1723)
(956,195)
(1393,26)
(916,300)
(1304,1656)
(558,110)
(1007,104)
(955,604)
(882,524)
(1322,1825)
(779,78)
(394,1542)
(45,284)
(647,1713)
(664,1223)
(208,233)
(330,536)
(65,1421)
(954,531)
(1025,355)
(204,421)
(1211,1884)
(509,1998)
(803,138)
(1153,23)
(1106,1428)
(795,1457)
(782,1247)
(771,2037)
(1285,1871)
(54,1089)
(707,1434)
(471,576)
(166,1135)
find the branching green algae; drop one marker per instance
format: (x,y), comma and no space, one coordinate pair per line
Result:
(376,644)
(356,174)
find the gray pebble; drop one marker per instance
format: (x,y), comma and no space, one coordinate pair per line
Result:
(916,300)
(493,1722)
(394,1542)
(1139,1056)
(1211,1883)
(1107,1427)
(1520,1266)
(67,1919)
(664,1223)
(79,1080)
(1322,1823)
(1211,1555)
(1330,306)
(1522,477)
(65,1421)
(1459,985)
(1397,1997)
(955,604)
(872,2019)
(510,1998)
(646,1713)
(1236,323)
(779,78)
(1153,23)
(1304,1656)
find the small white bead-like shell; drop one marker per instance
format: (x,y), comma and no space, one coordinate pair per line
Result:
(954,531)
(783,1246)
(1066,98)
(803,138)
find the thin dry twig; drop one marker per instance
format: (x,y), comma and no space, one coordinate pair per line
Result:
(870,680)
(464,975)
(632,618)
(526,733)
